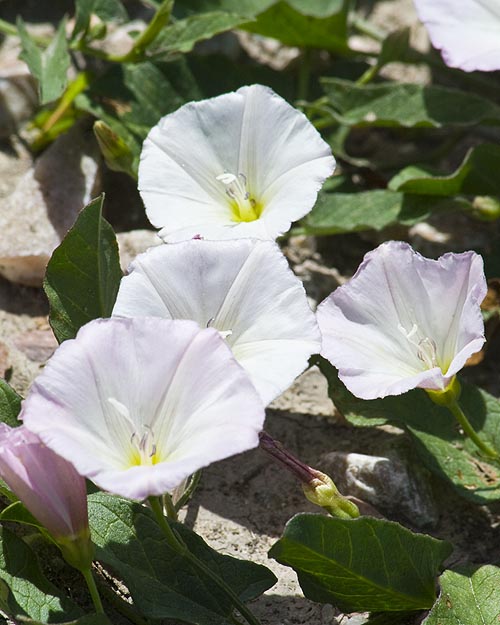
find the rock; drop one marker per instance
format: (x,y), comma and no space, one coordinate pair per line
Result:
(389,483)
(35,217)
(4,359)
(135,242)
(37,345)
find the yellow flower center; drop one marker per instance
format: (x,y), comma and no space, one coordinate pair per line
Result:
(244,207)
(143,451)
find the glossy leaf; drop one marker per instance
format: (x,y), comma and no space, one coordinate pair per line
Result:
(468,595)
(360,565)
(407,105)
(434,431)
(83,274)
(293,28)
(24,590)
(476,175)
(182,35)
(49,66)
(10,404)
(335,213)
(162,583)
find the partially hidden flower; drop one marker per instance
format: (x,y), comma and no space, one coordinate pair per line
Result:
(243,164)
(244,289)
(137,405)
(466,31)
(404,321)
(50,488)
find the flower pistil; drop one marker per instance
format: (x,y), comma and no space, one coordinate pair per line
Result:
(243,206)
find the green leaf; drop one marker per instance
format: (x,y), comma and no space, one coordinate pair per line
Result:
(132,98)
(394,47)
(476,175)
(50,66)
(18,513)
(434,431)
(184,34)
(469,595)
(162,583)
(335,213)
(24,590)
(294,28)
(106,10)
(406,105)
(361,565)
(10,404)
(250,8)
(83,274)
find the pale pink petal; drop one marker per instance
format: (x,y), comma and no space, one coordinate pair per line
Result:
(466,31)
(137,405)
(47,484)
(242,288)
(404,321)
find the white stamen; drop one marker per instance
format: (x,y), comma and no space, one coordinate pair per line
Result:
(426,347)
(224,333)
(236,189)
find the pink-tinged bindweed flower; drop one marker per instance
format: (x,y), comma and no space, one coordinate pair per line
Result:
(244,289)
(243,164)
(404,321)
(466,31)
(50,488)
(138,405)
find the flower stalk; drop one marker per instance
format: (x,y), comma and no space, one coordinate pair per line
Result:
(176,543)
(94,593)
(449,398)
(318,487)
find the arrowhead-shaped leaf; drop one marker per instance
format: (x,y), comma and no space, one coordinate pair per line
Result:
(83,274)
(361,565)
(162,583)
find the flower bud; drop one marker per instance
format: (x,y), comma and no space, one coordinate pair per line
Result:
(51,490)
(117,154)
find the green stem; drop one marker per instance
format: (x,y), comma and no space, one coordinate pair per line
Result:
(169,507)
(304,75)
(177,545)
(459,415)
(94,593)
(188,493)
(122,606)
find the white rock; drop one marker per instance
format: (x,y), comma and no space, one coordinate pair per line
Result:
(394,487)
(44,204)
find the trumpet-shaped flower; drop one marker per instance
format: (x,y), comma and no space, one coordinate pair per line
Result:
(404,321)
(243,164)
(47,484)
(137,405)
(244,289)
(466,31)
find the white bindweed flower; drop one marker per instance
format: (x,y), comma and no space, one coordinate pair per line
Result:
(244,289)
(137,405)
(466,31)
(243,164)
(404,321)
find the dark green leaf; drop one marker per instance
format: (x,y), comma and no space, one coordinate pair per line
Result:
(394,47)
(434,431)
(407,105)
(352,212)
(162,583)
(361,565)
(468,596)
(24,590)
(106,10)
(83,274)
(49,66)
(10,404)
(184,34)
(294,28)
(18,513)
(476,175)
(88,619)
(250,8)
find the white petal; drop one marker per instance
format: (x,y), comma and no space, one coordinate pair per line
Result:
(466,31)
(180,385)
(374,326)
(191,155)
(242,288)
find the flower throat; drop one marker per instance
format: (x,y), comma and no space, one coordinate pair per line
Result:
(244,207)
